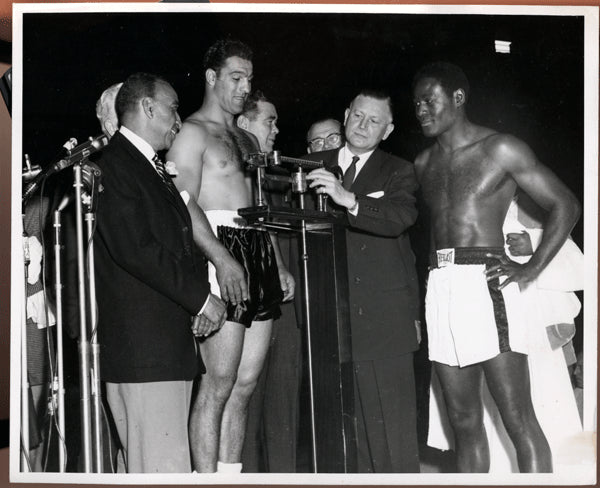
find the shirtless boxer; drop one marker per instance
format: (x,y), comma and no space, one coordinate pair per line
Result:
(468,178)
(209,155)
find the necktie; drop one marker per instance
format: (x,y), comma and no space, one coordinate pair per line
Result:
(350,173)
(162,171)
(160,167)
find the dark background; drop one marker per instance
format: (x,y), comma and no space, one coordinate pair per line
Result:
(311,65)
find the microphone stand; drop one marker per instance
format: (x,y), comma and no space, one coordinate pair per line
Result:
(89,361)
(89,376)
(306,304)
(83,349)
(90,218)
(59,385)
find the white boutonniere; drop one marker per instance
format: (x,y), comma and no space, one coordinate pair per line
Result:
(171,168)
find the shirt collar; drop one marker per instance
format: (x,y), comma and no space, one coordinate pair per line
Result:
(141,144)
(345,158)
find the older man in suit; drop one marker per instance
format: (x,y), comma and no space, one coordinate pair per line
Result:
(377,193)
(150,282)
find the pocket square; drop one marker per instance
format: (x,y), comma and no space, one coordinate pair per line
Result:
(376,194)
(186,197)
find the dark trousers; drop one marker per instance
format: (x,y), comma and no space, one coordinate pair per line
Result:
(386,415)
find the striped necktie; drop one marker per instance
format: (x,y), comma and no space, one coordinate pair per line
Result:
(162,172)
(160,168)
(350,173)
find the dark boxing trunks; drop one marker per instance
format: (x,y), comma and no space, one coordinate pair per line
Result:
(254,251)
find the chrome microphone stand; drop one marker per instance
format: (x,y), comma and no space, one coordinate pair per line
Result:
(83,349)
(59,386)
(90,218)
(87,174)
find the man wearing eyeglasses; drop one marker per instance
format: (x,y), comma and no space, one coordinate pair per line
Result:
(378,197)
(324,135)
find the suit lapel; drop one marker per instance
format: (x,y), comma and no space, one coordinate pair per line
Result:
(146,172)
(368,173)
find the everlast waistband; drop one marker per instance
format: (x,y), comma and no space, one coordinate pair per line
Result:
(463,255)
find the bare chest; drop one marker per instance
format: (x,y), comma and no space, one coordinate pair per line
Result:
(462,177)
(227,152)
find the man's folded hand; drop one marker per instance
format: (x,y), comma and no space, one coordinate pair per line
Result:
(212,317)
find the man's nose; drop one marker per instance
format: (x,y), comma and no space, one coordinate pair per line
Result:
(275,129)
(246,86)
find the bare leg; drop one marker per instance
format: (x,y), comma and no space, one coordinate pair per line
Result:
(507,377)
(221,353)
(462,394)
(233,424)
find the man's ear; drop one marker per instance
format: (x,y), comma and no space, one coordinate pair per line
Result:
(460,97)
(243,122)
(211,76)
(109,128)
(148,106)
(388,130)
(346,113)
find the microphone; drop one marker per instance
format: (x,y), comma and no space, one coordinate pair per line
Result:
(89,172)
(79,153)
(75,155)
(66,148)
(66,200)
(40,175)
(90,180)
(29,171)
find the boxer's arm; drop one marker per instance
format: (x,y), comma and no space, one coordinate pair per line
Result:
(187,153)
(546,190)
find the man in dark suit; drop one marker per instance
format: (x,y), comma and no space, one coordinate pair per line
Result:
(150,282)
(377,194)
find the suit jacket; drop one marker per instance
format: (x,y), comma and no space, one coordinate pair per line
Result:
(150,277)
(383,288)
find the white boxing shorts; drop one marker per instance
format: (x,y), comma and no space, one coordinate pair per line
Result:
(468,319)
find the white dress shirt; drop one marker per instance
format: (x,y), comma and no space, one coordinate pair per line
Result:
(140,144)
(345,159)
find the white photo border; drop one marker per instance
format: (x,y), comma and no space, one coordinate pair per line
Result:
(580,475)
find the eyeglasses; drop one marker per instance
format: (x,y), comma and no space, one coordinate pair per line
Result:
(331,140)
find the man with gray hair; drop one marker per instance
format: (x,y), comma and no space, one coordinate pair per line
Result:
(105,110)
